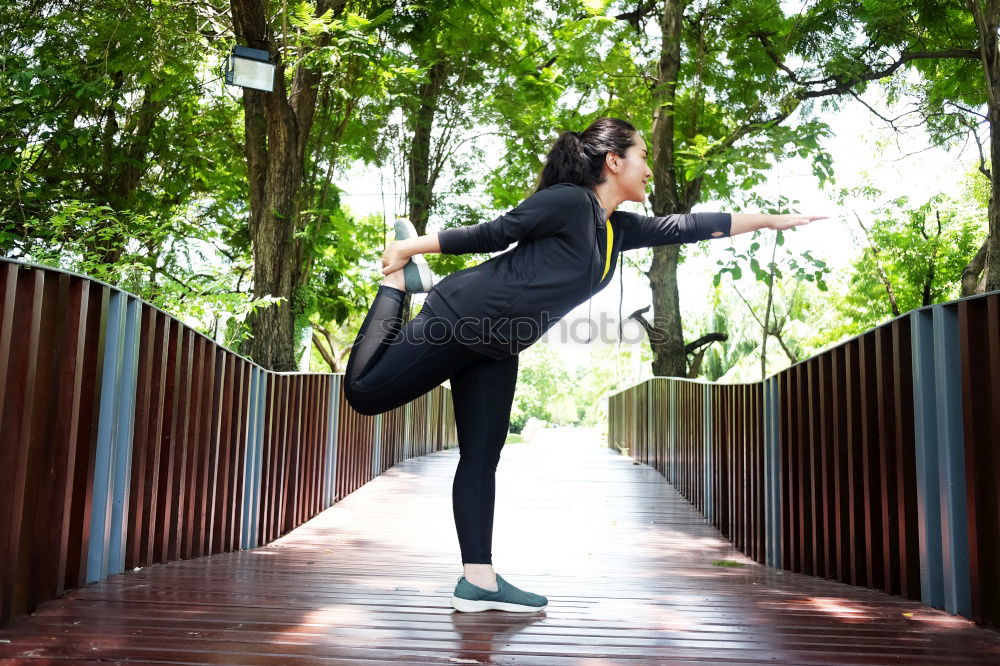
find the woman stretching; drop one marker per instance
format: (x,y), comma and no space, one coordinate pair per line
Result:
(474,322)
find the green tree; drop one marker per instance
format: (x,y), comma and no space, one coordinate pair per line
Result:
(326,62)
(454,53)
(952,48)
(542,378)
(693,80)
(342,285)
(912,255)
(116,151)
(787,266)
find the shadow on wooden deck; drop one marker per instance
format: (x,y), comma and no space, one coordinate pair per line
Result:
(626,562)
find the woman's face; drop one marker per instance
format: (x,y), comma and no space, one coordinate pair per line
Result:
(633,173)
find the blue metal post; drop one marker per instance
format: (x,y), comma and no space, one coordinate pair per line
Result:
(255,450)
(377,446)
(250,496)
(772,474)
(407,439)
(331,439)
(124,436)
(112,388)
(707,453)
(940,459)
(671,430)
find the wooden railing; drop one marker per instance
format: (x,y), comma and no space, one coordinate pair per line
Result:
(875,463)
(128,439)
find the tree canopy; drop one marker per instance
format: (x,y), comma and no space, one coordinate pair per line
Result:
(124,155)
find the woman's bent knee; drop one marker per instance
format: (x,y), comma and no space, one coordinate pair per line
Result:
(363,402)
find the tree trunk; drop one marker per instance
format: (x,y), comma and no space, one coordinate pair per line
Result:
(120,179)
(987,20)
(970,274)
(277,127)
(420,187)
(669,358)
(767,319)
(992,265)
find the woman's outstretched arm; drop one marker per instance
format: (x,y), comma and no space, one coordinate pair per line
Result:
(650,231)
(397,253)
(743,223)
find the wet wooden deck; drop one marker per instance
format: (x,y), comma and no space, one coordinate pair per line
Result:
(626,563)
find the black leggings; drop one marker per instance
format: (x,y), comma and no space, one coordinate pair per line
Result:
(392,364)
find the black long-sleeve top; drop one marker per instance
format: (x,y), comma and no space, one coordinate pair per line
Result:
(509,301)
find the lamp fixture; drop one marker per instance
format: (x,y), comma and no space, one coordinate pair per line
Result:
(250,68)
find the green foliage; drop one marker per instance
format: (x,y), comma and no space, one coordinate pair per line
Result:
(920,249)
(549,391)
(771,267)
(108,108)
(727,563)
(800,310)
(728,316)
(122,157)
(344,270)
(115,161)
(543,386)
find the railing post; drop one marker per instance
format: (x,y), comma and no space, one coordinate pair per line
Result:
(650,451)
(407,443)
(112,463)
(254,452)
(330,468)
(772,475)
(126,429)
(707,464)
(672,430)
(940,460)
(253,519)
(427,425)
(376,446)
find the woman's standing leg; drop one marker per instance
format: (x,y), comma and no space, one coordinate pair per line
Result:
(482,394)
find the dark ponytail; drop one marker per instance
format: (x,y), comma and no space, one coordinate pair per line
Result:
(578,157)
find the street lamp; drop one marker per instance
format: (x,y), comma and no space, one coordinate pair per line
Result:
(250,68)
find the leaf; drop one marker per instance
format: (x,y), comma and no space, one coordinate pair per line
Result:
(595,7)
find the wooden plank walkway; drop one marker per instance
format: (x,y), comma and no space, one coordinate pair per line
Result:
(625,561)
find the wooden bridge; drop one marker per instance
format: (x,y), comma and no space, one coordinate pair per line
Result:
(167,501)
(628,565)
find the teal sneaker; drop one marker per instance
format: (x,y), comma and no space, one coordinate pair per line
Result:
(470,598)
(417,274)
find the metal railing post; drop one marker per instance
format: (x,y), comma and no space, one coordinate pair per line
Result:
(105,550)
(940,459)
(707,466)
(772,474)
(333,422)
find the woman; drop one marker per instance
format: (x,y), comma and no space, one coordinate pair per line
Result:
(474,322)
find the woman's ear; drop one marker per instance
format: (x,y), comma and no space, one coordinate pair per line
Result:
(611,160)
